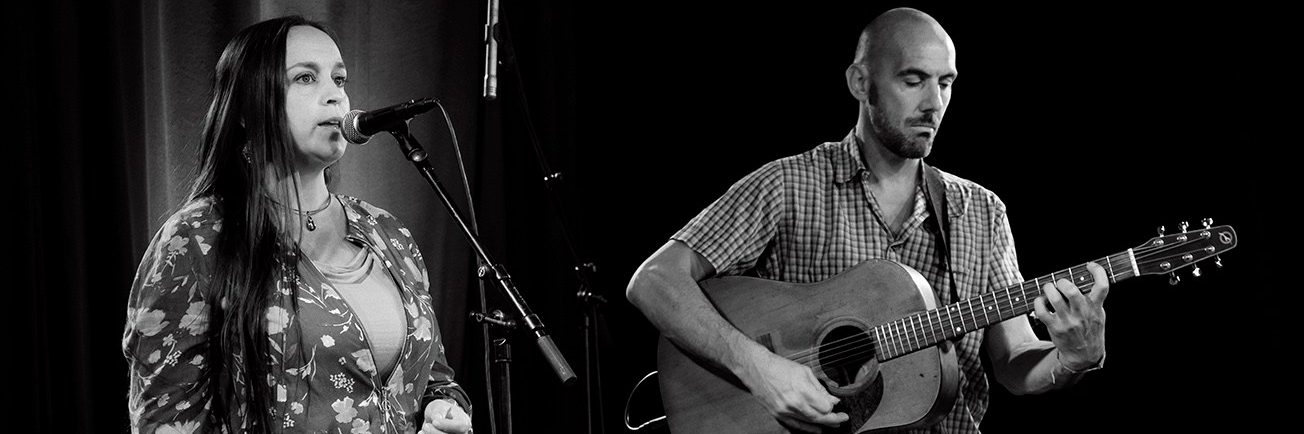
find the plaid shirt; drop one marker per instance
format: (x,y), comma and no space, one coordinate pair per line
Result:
(808,217)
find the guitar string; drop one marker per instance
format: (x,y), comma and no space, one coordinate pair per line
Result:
(914,330)
(929,329)
(902,343)
(839,351)
(924,327)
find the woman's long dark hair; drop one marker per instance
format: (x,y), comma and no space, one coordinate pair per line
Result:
(246,167)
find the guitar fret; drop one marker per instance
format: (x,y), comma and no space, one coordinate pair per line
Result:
(938,332)
(998,307)
(1029,295)
(914,341)
(966,323)
(905,334)
(887,343)
(904,337)
(951,321)
(922,336)
(1036,287)
(878,344)
(986,308)
(914,333)
(926,327)
(896,336)
(1002,301)
(952,330)
(932,327)
(1010,299)
(925,332)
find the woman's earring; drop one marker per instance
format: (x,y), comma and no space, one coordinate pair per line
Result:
(245,153)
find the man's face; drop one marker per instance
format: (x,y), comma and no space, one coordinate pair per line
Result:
(910,87)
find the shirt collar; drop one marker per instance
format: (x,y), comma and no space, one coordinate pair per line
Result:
(848,163)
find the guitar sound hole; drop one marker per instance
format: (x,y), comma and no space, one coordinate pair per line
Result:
(842,352)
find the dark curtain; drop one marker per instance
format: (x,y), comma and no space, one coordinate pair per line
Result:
(1094,125)
(82,214)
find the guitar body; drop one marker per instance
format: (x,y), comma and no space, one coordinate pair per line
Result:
(835,327)
(794,320)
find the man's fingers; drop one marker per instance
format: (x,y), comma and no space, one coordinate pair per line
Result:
(799,425)
(822,401)
(831,419)
(822,416)
(1100,288)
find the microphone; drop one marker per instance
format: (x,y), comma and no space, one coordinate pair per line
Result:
(358,126)
(491,52)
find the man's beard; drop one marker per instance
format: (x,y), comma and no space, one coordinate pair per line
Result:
(896,140)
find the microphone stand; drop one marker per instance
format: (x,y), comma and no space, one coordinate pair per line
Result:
(413,151)
(501,353)
(590,302)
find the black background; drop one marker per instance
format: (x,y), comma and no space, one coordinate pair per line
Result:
(1095,123)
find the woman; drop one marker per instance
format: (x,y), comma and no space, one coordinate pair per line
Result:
(267,303)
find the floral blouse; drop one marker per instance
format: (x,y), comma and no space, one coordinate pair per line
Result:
(323,375)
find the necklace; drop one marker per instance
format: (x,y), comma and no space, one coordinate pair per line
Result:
(312,225)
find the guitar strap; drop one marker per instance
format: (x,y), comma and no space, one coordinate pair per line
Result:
(935,194)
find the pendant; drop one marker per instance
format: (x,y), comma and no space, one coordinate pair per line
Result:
(312,226)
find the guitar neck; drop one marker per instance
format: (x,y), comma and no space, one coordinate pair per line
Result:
(925,329)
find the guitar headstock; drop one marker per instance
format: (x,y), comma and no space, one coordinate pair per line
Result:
(1166,254)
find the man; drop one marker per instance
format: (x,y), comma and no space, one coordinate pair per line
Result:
(808,217)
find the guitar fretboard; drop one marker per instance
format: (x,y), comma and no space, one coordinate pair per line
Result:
(925,329)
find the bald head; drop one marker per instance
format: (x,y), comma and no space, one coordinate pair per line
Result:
(897,30)
(902,75)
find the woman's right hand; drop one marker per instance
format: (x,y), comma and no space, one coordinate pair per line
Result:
(445,417)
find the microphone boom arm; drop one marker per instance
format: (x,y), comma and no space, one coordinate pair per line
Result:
(413,151)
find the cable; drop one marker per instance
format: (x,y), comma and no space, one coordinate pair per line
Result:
(484,303)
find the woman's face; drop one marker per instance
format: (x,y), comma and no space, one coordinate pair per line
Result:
(314,99)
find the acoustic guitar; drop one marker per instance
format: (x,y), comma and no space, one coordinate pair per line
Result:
(874,336)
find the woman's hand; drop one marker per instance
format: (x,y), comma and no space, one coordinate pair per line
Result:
(445,417)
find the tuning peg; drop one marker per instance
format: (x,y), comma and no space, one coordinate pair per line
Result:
(1208,222)
(1195,270)
(1173,279)
(1217,260)
(1183,225)
(1160,230)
